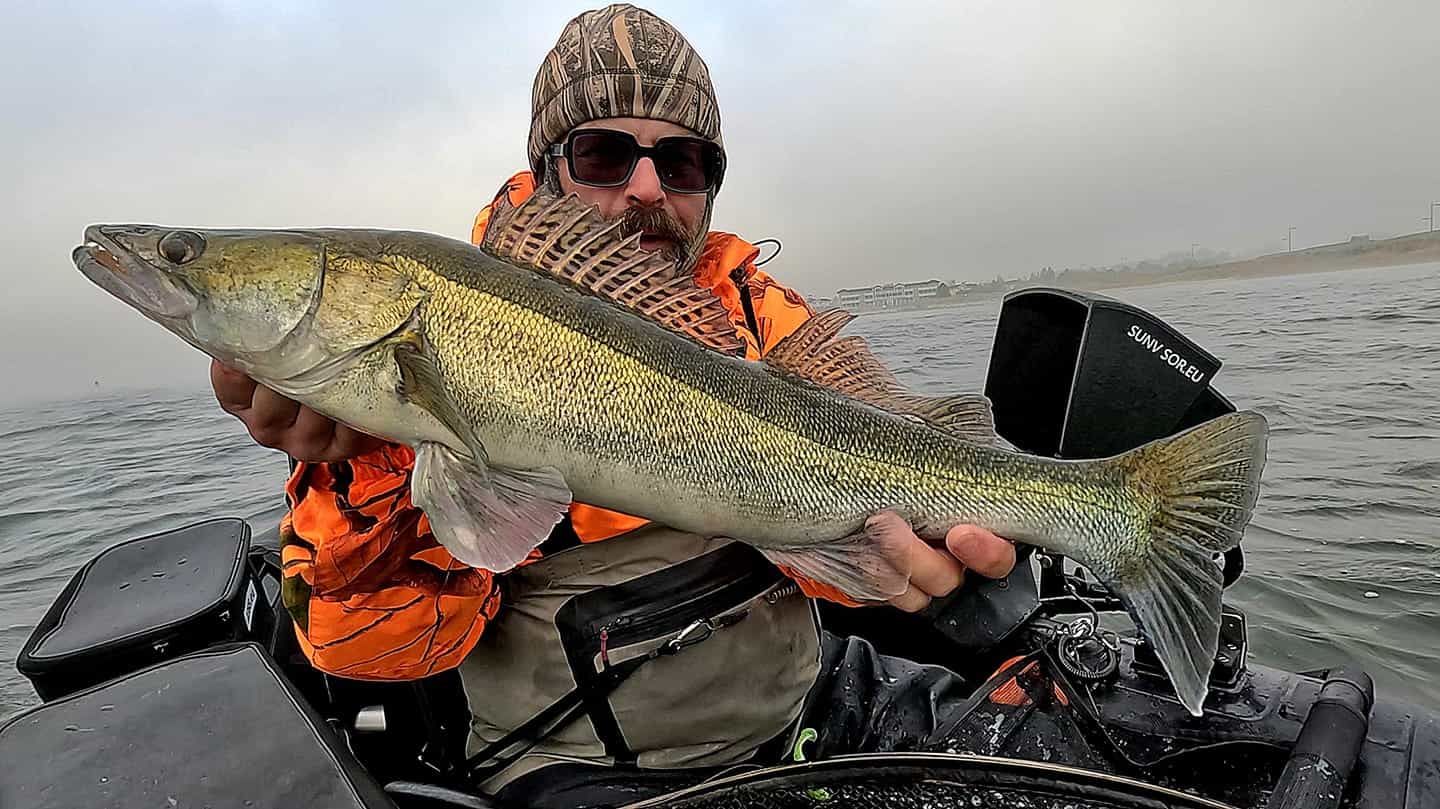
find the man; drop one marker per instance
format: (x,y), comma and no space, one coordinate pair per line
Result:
(673,656)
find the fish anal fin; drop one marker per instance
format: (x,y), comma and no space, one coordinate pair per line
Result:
(865,566)
(565,238)
(487,518)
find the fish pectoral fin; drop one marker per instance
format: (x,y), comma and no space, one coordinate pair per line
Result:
(486,517)
(867,566)
(422,385)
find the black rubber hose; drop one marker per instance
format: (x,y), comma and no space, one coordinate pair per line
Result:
(1330,740)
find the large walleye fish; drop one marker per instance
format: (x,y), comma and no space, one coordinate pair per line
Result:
(560,362)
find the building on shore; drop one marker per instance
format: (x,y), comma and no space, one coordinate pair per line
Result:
(890,296)
(907,295)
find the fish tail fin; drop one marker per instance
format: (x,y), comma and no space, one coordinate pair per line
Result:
(1206,481)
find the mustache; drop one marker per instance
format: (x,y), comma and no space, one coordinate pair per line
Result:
(656,221)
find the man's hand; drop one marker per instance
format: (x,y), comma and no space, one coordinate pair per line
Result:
(937,572)
(284,424)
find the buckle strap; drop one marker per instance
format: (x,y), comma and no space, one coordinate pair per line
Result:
(500,754)
(737,276)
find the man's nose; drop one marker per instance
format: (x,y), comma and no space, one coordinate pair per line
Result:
(644,186)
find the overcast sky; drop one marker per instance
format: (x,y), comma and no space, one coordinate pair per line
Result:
(949,140)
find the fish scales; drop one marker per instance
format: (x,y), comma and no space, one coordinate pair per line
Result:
(557,378)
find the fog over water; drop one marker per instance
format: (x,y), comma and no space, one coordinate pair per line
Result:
(952,141)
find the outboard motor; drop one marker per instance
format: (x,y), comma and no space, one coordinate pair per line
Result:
(1080,376)
(1086,376)
(1077,375)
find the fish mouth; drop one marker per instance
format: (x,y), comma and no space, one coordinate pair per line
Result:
(112,268)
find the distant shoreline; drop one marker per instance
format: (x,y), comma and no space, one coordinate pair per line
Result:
(1357,254)
(1419,248)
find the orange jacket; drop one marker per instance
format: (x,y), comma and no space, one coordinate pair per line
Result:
(373,594)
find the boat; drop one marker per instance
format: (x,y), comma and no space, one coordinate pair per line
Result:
(169,674)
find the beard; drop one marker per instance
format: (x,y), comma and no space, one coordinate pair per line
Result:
(658,222)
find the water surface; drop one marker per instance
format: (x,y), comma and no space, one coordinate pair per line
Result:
(1346,367)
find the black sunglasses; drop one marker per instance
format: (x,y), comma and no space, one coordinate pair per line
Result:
(605,158)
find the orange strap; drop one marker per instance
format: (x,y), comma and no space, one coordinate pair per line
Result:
(1012,693)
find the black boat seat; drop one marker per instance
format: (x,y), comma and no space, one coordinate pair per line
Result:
(220,727)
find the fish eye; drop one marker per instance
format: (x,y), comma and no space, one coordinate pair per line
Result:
(180,246)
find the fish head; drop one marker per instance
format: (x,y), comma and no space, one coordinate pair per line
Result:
(276,304)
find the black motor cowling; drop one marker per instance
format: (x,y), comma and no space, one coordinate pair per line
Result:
(1077,375)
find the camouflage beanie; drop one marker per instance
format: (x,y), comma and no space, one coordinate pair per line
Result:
(620,62)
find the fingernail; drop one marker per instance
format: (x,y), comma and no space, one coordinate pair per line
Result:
(963,533)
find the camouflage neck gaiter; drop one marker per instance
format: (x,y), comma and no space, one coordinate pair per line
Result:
(622,62)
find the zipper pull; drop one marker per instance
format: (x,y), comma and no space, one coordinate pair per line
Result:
(689,636)
(605,647)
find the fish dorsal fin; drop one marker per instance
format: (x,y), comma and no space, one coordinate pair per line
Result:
(564,237)
(966,415)
(816,352)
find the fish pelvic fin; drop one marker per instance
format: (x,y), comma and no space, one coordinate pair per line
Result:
(488,518)
(869,565)
(565,238)
(816,352)
(1206,482)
